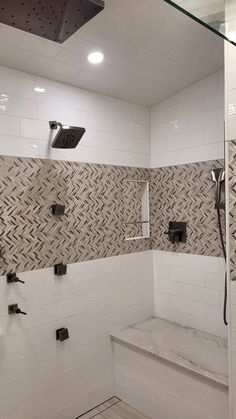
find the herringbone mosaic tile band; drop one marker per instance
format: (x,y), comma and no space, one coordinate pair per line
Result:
(97,200)
(94,222)
(186,193)
(232,208)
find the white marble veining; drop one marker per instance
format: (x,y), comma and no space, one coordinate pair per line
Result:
(194,350)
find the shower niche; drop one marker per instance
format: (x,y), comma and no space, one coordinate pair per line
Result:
(136,210)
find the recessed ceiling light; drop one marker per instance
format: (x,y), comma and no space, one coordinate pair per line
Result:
(39,89)
(96,57)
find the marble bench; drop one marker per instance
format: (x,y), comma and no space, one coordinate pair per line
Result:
(172,372)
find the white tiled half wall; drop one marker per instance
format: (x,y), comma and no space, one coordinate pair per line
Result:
(189,289)
(117,132)
(189,126)
(42,378)
(162,391)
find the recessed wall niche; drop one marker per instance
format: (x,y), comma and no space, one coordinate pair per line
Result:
(136,208)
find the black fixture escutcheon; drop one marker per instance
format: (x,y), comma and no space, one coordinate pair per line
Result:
(177,232)
(62,334)
(14,309)
(60,269)
(58,209)
(13,278)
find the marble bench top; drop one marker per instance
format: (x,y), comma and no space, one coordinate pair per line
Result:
(196,351)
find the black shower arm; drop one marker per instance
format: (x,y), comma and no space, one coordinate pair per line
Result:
(55,124)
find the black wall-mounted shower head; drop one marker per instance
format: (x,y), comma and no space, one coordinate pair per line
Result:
(56,20)
(66,137)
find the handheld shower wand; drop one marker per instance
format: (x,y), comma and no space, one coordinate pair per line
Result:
(218,177)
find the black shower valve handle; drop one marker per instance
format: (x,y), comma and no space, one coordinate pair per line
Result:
(19,280)
(14,309)
(13,278)
(177,232)
(19,311)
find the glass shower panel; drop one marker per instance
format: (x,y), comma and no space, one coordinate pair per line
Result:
(217,15)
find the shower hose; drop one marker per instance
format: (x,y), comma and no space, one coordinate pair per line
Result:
(224,253)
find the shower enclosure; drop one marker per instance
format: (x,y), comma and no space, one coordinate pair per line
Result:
(118,223)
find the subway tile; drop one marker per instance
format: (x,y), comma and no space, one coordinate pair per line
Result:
(201,294)
(168,287)
(192,122)
(163,300)
(33,128)
(18,146)
(187,275)
(190,278)
(31,341)
(189,307)
(17,106)
(9,83)
(9,125)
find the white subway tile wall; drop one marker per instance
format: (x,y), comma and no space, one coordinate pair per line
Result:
(189,126)
(117,132)
(189,289)
(40,377)
(43,378)
(165,392)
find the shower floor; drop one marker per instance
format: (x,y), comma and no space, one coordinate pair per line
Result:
(114,409)
(196,351)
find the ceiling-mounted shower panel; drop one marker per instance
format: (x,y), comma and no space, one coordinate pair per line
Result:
(56,20)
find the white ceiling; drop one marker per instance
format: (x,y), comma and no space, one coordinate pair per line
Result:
(151,52)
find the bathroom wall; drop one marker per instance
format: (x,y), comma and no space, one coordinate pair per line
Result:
(42,378)
(185,193)
(189,126)
(230,129)
(117,132)
(96,297)
(187,142)
(188,289)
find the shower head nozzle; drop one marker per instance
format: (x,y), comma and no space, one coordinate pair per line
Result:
(55,20)
(66,136)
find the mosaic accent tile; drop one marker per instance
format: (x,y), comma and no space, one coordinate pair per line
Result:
(92,227)
(97,202)
(186,193)
(232,208)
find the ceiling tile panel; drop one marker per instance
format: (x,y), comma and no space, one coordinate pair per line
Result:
(151,51)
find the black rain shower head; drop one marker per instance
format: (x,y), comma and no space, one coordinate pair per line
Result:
(56,20)
(66,137)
